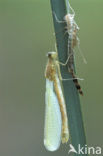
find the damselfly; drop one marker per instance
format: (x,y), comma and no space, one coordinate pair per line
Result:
(72,29)
(56,121)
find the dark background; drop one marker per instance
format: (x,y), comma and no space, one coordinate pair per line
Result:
(26,35)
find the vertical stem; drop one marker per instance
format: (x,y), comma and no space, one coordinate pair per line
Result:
(70,92)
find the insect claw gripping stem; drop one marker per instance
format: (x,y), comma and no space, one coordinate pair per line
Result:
(57,18)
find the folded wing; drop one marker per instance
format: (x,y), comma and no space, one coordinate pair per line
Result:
(53,121)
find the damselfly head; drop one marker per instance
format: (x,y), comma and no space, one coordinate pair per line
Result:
(69,17)
(52,55)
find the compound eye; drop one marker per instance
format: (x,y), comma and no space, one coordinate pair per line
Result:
(49,55)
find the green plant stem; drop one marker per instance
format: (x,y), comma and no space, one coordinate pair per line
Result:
(70,92)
